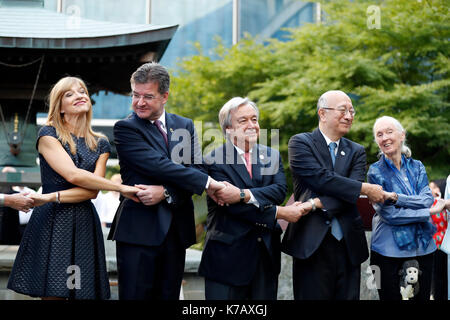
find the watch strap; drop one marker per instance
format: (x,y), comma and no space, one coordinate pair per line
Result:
(242,195)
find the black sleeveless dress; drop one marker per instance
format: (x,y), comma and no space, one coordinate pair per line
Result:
(62,253)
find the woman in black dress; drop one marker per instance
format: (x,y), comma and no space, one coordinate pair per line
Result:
(62,253)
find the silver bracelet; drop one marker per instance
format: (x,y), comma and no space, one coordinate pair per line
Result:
(2,200)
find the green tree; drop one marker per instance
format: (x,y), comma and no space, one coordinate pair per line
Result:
(400,68)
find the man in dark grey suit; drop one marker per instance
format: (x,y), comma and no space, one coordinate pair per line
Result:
(241,258)
(328,245)
(151,236)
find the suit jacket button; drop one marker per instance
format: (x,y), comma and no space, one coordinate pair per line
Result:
(259,239)
(327,222)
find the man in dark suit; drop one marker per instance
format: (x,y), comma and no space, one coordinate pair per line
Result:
(151,237)
(241,258)
(328,245)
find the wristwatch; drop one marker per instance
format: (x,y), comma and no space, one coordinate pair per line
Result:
(311,200)
(166,193)
(2,199)
(167,196)
(242,195)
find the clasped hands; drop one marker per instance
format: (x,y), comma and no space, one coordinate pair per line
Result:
(440,205)
(224,193)
(221,192)
(376,194)
(149,195)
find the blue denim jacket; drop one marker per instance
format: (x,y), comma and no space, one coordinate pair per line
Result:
(403,229)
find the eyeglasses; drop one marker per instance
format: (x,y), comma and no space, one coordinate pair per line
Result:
(343,111)
(146,97)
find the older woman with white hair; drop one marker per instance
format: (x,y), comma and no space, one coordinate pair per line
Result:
(401,228)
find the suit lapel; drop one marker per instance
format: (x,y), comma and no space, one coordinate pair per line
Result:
(256,165)
(322,148)
(342,157)
(152,133)
(170,127)
(236,163)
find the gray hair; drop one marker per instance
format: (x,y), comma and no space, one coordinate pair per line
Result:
(152,72)
(232,104)
(404,148)
(323,102)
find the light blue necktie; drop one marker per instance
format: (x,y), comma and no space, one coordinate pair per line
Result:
(332,147)
(336,230)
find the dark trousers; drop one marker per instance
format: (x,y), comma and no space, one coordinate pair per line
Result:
(440,277)
(147,272)
(390,278)
(264,285)
(327,274)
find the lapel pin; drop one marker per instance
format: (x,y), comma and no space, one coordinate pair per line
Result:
(261,156)
(343,153)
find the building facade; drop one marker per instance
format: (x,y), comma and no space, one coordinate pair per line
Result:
(198,21)
(201,21)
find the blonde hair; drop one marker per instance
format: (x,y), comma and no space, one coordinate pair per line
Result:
(56,118)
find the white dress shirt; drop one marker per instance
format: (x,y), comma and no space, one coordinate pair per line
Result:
(328,140)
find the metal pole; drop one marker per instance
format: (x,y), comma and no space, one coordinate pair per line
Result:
(318,13)
(59,6)
(236,21)
(148,11)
